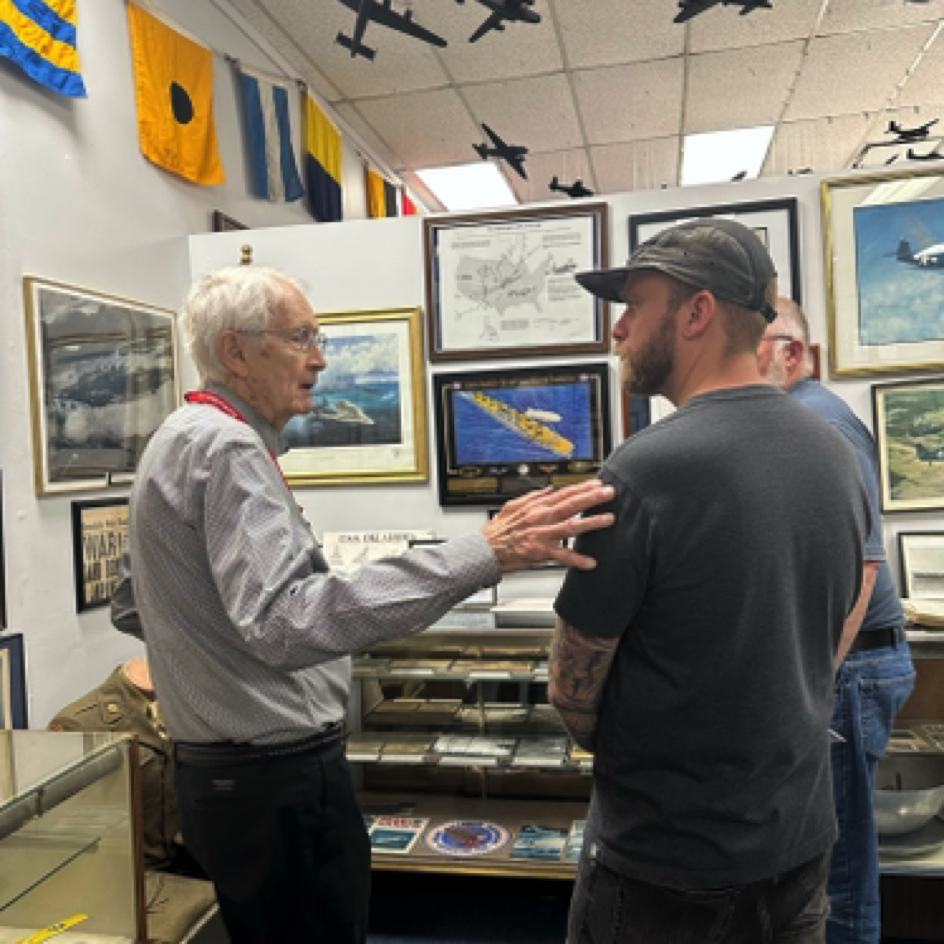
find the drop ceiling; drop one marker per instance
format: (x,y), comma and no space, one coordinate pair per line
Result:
(605,90)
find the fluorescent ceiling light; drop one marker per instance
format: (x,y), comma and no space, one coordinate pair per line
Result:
(469,186)
(721,155)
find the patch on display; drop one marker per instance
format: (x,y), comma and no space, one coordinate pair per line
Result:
(467,837)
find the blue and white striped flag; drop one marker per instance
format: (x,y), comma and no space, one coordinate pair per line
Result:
(269,132)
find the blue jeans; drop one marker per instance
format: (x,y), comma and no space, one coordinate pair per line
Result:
(871,687)
(609,907)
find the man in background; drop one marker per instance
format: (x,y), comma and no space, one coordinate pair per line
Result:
(875,674)
(697,660)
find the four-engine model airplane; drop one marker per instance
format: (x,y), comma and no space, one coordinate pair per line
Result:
(690,8)
(929,455)
(381,11)
(512,153)
(932,257)
(512,10)
(575,190)
(911,134)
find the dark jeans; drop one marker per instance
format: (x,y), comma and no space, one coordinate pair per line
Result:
(283,842)
(611,908)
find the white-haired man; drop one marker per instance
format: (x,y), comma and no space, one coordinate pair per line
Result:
(248,633)
(875,674)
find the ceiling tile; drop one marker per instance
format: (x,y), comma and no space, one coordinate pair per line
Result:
(642,165)
(725,28)
(757,78)
(623,103)
(842,16)
(568,166)
(924,84)
(538,113)
(606,32)
(825,145)
(870,65)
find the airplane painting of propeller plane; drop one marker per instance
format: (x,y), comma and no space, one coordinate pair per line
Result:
(382,13)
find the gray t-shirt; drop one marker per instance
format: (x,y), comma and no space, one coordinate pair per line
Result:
(736,557)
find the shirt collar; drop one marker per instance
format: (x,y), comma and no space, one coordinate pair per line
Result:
(267,432)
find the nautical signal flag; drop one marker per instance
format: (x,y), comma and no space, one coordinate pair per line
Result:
(272,168)
(376,197)
(324,160)
(409,207)
(173,79)
(40,38)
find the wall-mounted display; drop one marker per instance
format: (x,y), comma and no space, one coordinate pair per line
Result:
(921,555)
(12,682)
(909,430)
(773,221)
(103,376)
(884,245)
(502,433)
(502,284)
(367,423)
(99,538)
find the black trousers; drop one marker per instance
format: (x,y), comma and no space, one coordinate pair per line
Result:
(283,842)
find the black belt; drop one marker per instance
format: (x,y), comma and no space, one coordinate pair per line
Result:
(867,639)
(229,752)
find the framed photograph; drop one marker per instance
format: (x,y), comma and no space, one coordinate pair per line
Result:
(12,682)
(884,246)
(502,284)
(99,538)
(909,433)
(368,410)
(503,433)
(922,564)
(775,222)
(225,224)
(103,376)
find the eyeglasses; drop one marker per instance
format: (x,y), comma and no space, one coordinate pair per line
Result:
(778,337)
(302,339)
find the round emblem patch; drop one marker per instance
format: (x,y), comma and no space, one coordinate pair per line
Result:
(467,837)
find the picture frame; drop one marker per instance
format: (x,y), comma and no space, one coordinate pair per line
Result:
(908,419)
(884,293)
(99,538)
(502,433)
(13,701)
(921,557)
(223,223)
(500,284)
(103,374)
(775,222)
(368,422)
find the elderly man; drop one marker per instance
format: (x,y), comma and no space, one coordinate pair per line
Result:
(248,632)
(696,660)
(875,675)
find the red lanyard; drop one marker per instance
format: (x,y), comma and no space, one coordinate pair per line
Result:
(224,406)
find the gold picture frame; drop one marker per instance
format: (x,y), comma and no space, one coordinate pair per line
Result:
(368,422)
(885,305)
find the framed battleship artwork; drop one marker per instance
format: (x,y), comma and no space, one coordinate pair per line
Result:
(501,284)
(502,433)
(103,376)
(367,423)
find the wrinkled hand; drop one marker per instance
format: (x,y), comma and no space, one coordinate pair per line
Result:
(531,529)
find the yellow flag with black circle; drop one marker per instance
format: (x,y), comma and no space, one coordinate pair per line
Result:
(173,78)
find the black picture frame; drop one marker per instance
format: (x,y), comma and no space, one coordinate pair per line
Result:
(503,433)
(779,217)
(13,702)
(99,538)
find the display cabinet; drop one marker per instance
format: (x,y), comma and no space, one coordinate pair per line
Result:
(463,764)
(70,837)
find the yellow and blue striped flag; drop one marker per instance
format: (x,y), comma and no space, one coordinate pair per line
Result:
(40,38)
(324,160)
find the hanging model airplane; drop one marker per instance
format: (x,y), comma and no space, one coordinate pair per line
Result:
(575,190)
(910,134)
(934,155)
(381,12)
(512,153)
(690,8)
(512,10)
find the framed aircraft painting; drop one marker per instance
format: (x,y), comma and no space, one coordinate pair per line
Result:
(884,253)
(909,432)
(502,284)
(367,423)
(103,376)
(773,221)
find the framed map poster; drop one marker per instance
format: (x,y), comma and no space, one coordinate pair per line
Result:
(502,284)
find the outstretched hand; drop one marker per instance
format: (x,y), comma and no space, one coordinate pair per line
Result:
(532,529)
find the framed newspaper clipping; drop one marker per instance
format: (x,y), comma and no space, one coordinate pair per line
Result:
(99,538)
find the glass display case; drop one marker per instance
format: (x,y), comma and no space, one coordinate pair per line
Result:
(463,764)
(70,838)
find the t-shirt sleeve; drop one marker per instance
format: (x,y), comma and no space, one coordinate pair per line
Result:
(603,601)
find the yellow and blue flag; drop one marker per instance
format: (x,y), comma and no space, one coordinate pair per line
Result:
(40,38)
(376,195)
(324,159)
